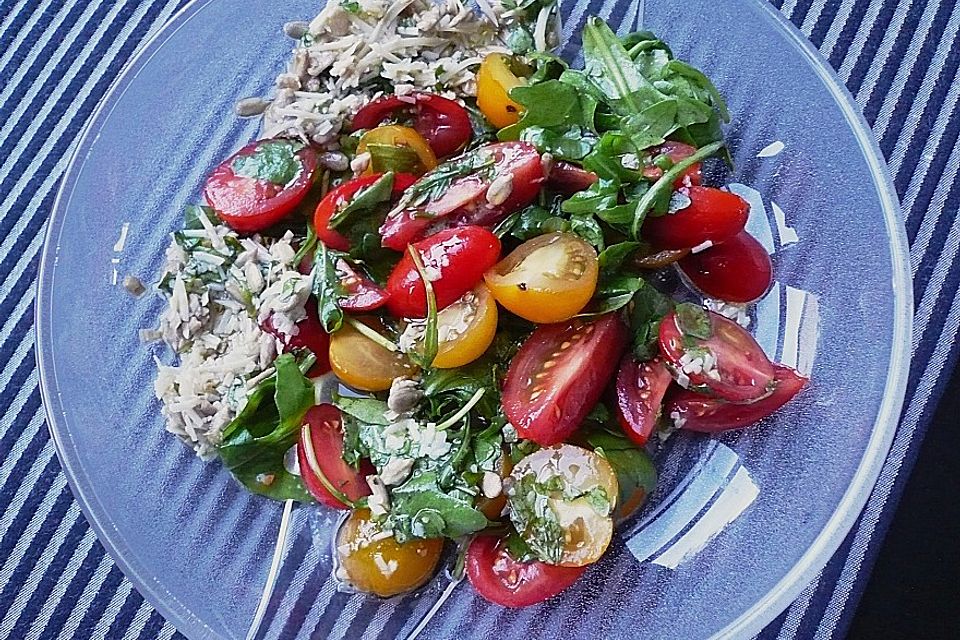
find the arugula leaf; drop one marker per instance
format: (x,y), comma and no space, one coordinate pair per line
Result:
(569,144)
(366,199)
(608,65)
(431,338)
(309,244)
(550,104)
(613,256)
(326,288)
(693,321)
(275,161)
(192,213)
(649,308)
(587,227)
(636,473)
(367,410)
(613,293)
(436,182)
(257,440)
(420,509)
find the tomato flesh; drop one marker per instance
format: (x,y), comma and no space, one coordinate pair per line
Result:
(558,375)
(739,270)
(339,197)
(640,389)
(320,451)
(360,293)
(250,204)
(677,151)
(464,201)
(568,178)
(443,123)
(699,412)
(741,371)
(455,261)
(502,580)
(310,335)
(713,215)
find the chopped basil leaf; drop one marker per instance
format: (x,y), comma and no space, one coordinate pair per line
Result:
(275,161)
(365,200)
(694,321)
(649,308)
(192,213)
(326,288)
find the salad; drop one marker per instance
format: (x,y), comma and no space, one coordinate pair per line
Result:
(463,291)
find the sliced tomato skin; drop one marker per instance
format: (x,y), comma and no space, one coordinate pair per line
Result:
(460,255)
(362,293)
(250,204)
(326,432)
(502,580)
(713,215)
(739,270)
(443,123)
(640,389)
(340,195)
(568,178)
(677,151)
(464,202)
(310,335)
(545,409)
(745,372)
(702,413)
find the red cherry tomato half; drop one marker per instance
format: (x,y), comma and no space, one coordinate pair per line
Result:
(709,415)
(510,583)
(443,123)
(739,270)
(640,389)
(360,293)
(465,200)
(568,178)
(677,151)
(558,375)
(455,259)
(741,370)
(712,215)
(320,451)
(340,197)
(310,335)
(250,204)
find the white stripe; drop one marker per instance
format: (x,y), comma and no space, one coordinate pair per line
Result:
(16,451)
(90,591)
(18,356)
(933,70)
(30,26)
(788,630)
(859,41)
(893,32)
(788,8)
(14,12)
(16,504)
(166,632)
(139,621)
(29,586)
(837,26)
(812,16)
(112,610)
(346,616)
(60,588)
(25,303)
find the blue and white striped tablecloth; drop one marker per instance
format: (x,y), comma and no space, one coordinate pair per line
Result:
(899,58)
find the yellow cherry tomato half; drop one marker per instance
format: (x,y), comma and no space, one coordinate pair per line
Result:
(378,564)
(494,82)
(586,531)
(395,148)
(362,363)
(466,328)
(550,278)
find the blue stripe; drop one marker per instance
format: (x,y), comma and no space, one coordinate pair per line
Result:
(69,601)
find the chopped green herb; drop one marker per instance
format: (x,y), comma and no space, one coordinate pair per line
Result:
(275,161)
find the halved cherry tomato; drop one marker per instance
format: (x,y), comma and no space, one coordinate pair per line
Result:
(396,148)
(568,178)
(340,197)
(739,270)
(378,564)
(586,527)
(558,375)
(454,259)
(550,278)
(741,370)
(249,203)
(712,215)
(676,151)
(640,390)
(362,363)
(510,583)
(360,293)
(320,452)
(699,412)
(310,335)
(466,328)
(442,122)
(495,79)
(465,200)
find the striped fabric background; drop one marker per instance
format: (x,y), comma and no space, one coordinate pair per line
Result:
(899,58)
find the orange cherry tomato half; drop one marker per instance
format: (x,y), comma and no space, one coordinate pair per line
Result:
(494,82)
(443,123)
(362,363)
(466,328)
(396,148)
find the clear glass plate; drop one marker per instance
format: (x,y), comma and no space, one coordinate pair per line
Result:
(199,547)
